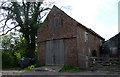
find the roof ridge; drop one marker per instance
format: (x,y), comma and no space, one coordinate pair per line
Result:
(54,6)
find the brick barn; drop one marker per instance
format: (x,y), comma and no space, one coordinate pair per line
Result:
(62,40)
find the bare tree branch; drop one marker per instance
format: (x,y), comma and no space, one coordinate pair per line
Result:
(5,24)
(2,14)
(9,30)
(1,27)
(43,16)
(44,9)
(6,8)
(3,19)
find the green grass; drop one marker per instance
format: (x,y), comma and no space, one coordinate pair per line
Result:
(110,73)
(34,66)
(71,68)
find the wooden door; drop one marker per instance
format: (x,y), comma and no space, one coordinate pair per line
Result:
(55,52)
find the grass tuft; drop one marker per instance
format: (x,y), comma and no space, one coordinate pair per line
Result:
(34,66)
(71,68)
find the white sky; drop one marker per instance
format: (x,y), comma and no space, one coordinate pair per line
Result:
(99,15)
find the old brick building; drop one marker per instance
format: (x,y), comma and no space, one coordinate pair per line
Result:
(63,40)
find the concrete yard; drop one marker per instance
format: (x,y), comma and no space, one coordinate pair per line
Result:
(49,68)
(53,71)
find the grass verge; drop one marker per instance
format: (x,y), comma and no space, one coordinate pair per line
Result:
(71,68)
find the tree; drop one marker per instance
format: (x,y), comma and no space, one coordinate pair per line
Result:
(26,16)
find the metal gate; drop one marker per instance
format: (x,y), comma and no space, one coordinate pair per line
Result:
(55,52)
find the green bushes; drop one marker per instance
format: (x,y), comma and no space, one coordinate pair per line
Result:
(8,61)
(13,49)
(71,68)
(10,50)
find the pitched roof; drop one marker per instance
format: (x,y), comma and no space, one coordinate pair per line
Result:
(115,36)
(90,30)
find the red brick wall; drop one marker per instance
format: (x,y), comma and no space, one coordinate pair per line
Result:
(41,52)
(67,27)
(93,42)
(71,52)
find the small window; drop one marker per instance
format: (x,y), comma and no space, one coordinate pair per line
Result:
(89,51)
(86,36)
(100,42)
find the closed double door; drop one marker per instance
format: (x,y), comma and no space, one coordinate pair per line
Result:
(54,52)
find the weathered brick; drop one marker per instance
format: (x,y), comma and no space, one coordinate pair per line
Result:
(71,32)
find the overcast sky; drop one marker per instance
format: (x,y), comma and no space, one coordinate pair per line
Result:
(99,15)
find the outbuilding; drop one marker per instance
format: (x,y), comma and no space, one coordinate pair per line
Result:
(111,47)
(62,40)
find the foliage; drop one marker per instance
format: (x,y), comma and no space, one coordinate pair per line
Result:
(13,47)
(37,64)
(29,67)
(71,68)
(8,60)
(25,15)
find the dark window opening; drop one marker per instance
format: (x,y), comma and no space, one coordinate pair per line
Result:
(94,54)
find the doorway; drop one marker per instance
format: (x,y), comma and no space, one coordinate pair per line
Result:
(54,52)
